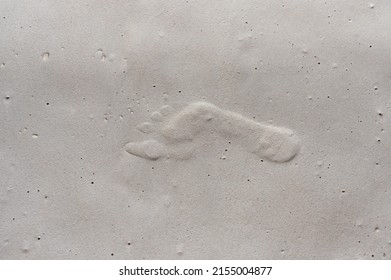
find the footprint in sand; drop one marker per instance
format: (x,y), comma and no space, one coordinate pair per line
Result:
(180,129)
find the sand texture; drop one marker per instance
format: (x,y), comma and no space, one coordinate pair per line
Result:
(195,129)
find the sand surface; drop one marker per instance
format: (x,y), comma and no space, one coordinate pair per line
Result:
(195,129)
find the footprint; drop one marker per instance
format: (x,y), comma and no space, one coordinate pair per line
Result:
(180,129)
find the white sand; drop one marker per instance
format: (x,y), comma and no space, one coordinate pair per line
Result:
(195,129)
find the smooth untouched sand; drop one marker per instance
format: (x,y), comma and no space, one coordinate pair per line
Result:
(195,129)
